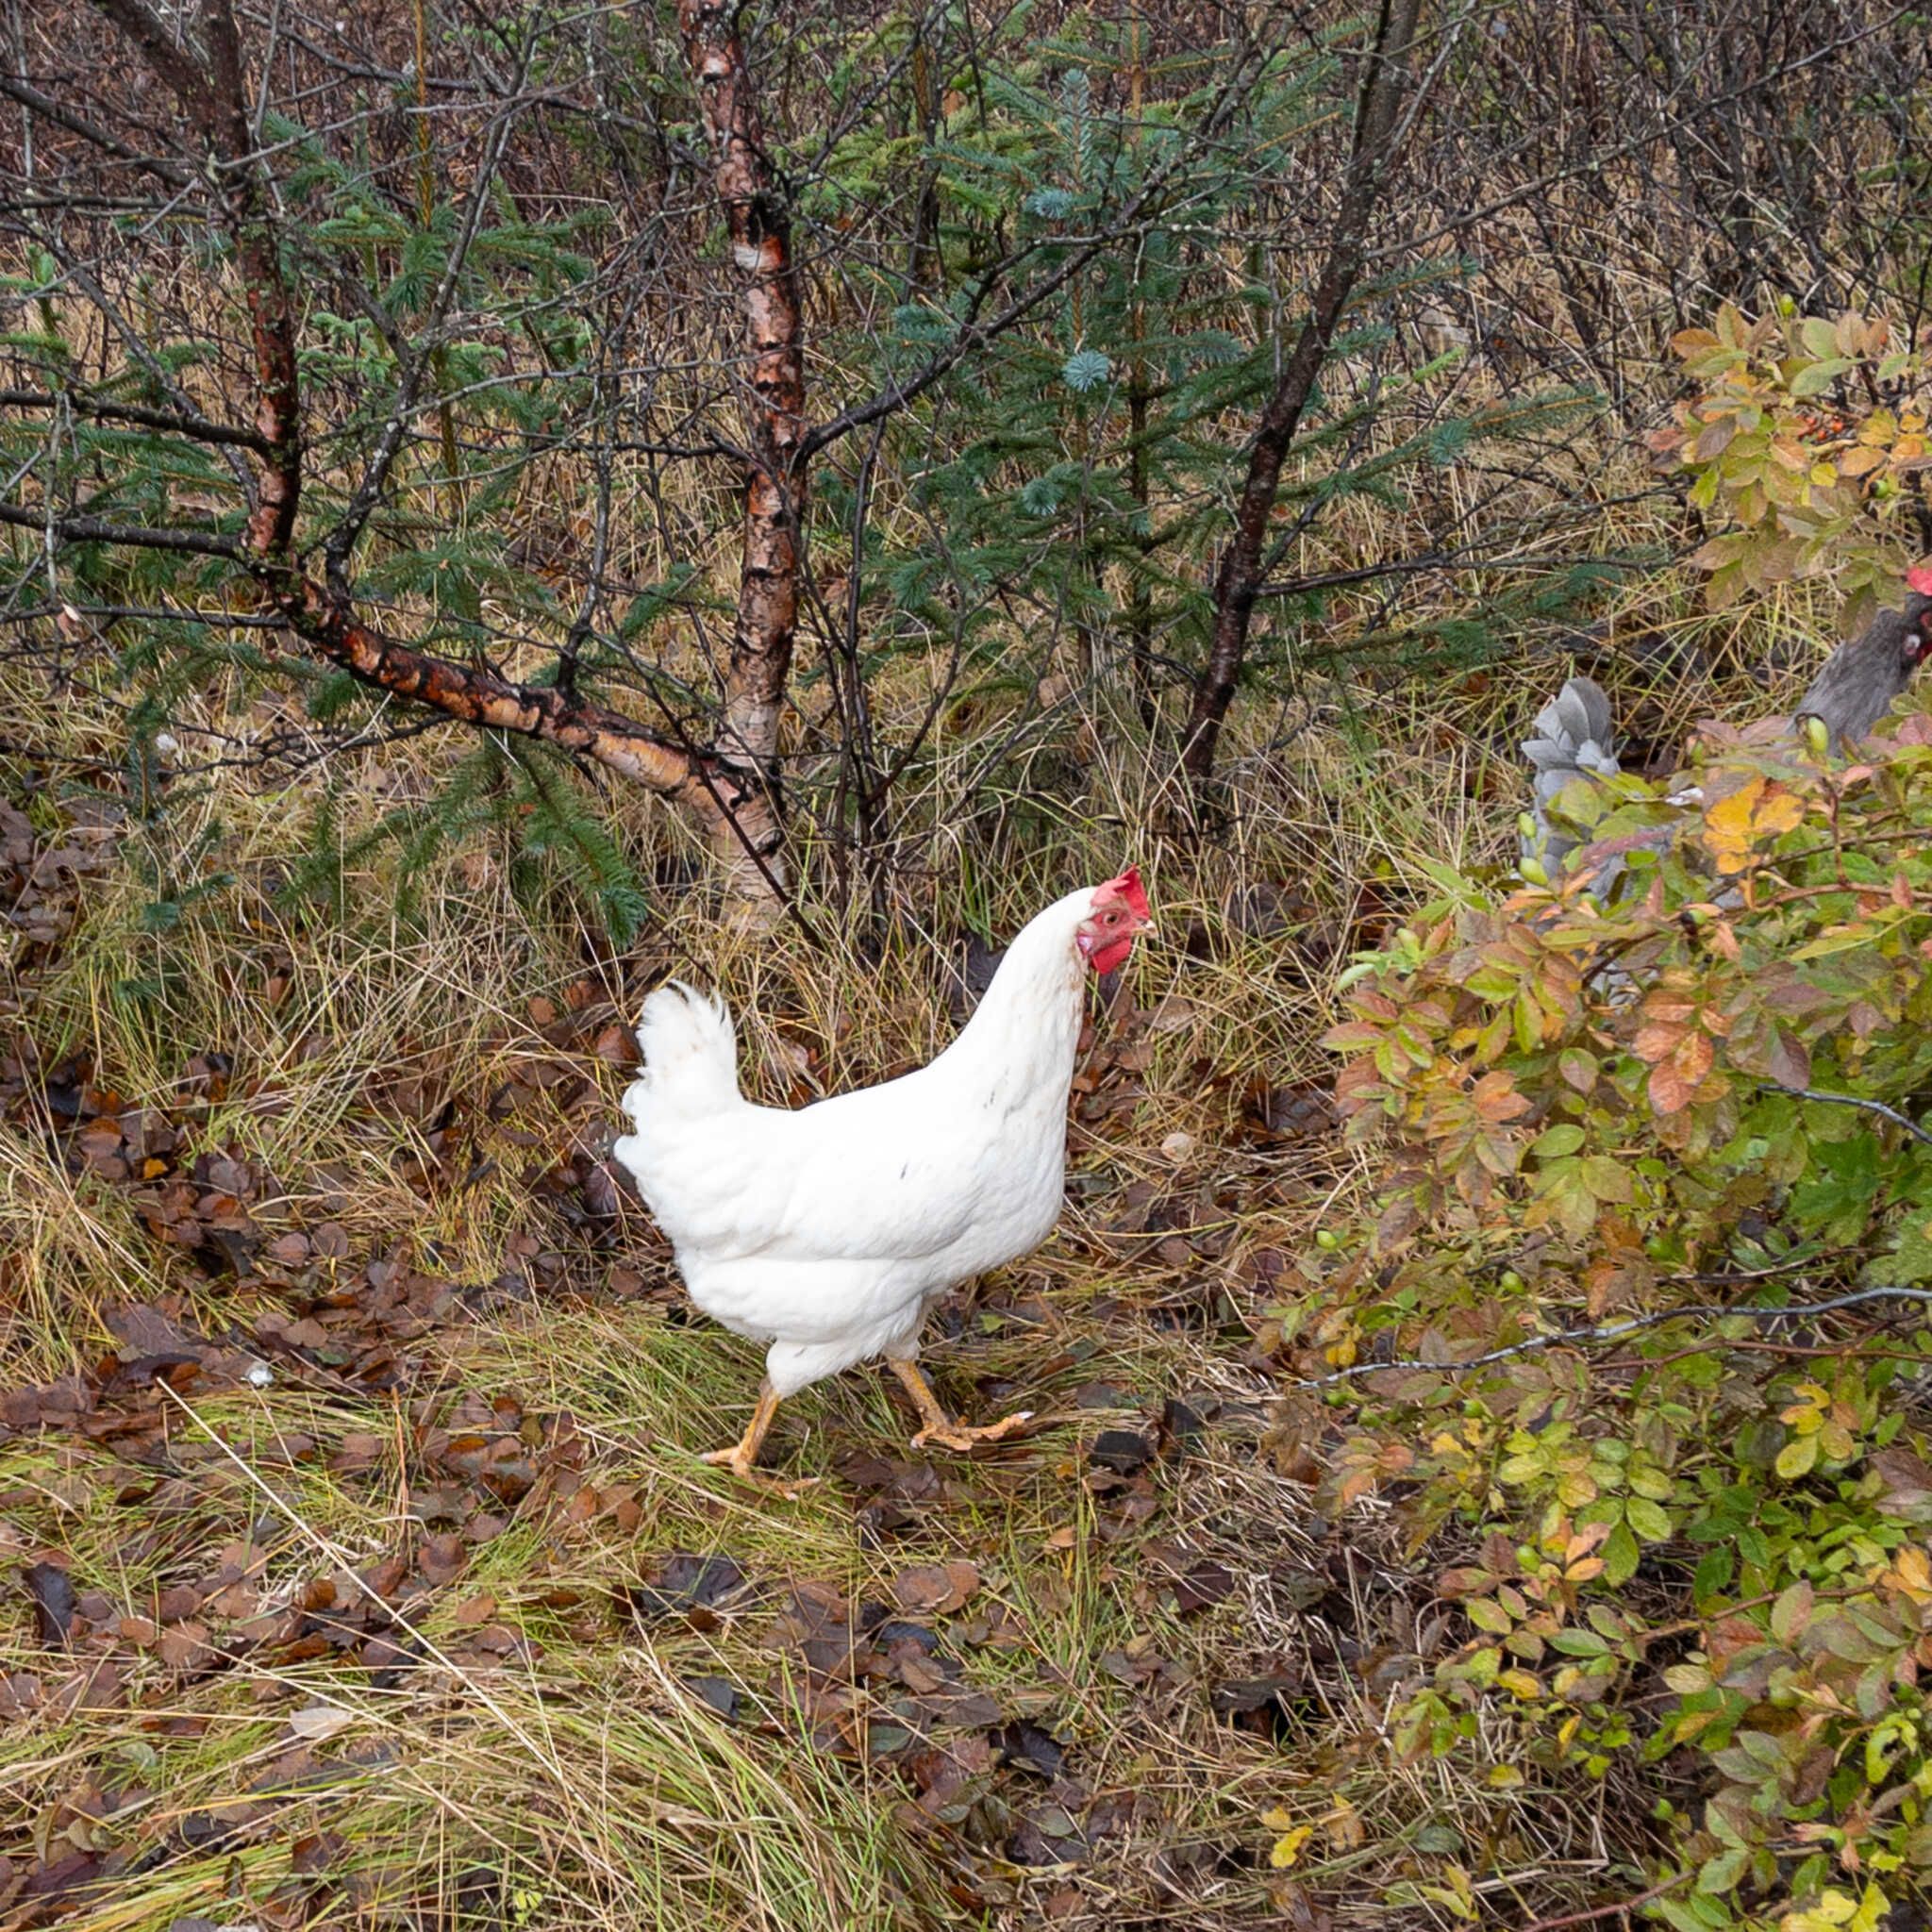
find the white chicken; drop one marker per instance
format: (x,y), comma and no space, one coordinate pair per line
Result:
(828,1232)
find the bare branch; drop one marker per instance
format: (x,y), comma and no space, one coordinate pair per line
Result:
(97,530)
(197,428)
(1877,1107)
(1614,1331)
(478,697)
(30,96)
(1238,582)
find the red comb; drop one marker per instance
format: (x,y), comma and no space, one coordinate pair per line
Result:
(1919,579)
(1127,886)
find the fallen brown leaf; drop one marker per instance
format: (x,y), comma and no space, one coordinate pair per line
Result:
(936,1586)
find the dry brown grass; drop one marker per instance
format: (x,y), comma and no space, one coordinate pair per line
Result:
(574,1770)
(574,1777)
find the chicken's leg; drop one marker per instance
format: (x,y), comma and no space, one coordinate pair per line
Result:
(938,1427)
(741,1457)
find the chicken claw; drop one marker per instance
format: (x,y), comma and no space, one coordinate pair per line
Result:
(937,1426)
(741,1457)
(734,1459)
(964,1436)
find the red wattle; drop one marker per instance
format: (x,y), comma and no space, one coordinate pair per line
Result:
(1112,956)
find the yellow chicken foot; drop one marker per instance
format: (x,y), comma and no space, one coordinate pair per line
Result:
(938,1427)
(741,1457)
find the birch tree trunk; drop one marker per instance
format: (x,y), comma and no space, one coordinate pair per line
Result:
(759,224)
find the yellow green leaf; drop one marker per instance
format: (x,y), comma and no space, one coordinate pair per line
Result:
(1287,1847)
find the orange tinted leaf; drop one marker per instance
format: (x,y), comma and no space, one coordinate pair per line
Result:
(1669,1092)
(1669,1005)
(1351,1033)
(1495,1098)
(1693,1057)
(1656,1043)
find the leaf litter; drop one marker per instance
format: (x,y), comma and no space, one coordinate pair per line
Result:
(936,1672)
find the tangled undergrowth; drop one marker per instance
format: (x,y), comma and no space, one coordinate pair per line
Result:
(1652,1252)
(365,1570)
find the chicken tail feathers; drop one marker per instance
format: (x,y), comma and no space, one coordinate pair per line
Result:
(1573,737)
(691,1052)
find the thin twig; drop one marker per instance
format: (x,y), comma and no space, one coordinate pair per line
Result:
(146,613)
(1615,1330)
(1877,1107)
(1624,1907)
(94,530)
(196,427)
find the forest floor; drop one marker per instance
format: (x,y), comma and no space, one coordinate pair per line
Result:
(359,1564)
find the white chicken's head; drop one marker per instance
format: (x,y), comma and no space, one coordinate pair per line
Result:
(1120,912)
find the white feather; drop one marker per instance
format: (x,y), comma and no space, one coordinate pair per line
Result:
(827,1231)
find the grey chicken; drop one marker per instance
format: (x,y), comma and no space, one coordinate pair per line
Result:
(1573,736)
